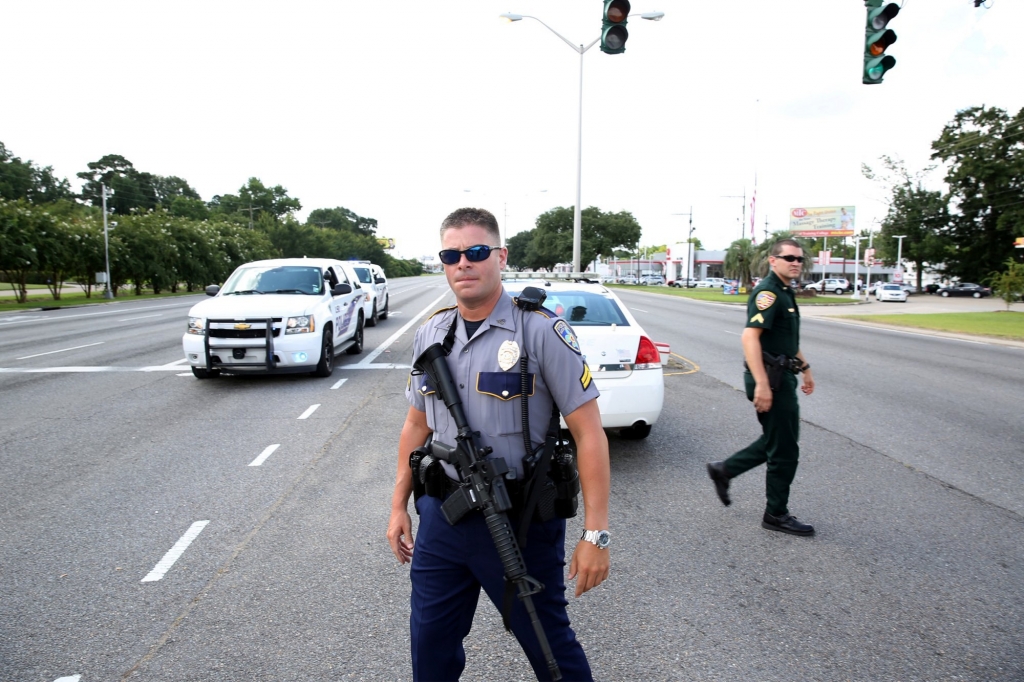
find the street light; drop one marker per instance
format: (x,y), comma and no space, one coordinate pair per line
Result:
(689,246)
(856,268)
(106,243)
(577,220)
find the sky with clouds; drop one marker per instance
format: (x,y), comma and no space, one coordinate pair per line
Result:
(403,111)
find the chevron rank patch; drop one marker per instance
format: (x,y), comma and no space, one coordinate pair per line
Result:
(567,335)
(585,378)
(764,300)
(757,318)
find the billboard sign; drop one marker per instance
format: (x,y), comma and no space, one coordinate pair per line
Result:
(828,221)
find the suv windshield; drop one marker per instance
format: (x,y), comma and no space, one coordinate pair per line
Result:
(286,279)
(364,275)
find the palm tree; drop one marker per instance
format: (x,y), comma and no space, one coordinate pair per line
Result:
(739,261)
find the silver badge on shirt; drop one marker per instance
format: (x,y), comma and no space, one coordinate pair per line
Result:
(508,355)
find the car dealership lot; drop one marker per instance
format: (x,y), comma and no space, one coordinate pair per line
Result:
(106,470)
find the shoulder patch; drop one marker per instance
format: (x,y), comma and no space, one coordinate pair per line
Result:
(441,310)
(567,335)
(757,318)
(544,312)
(764,300)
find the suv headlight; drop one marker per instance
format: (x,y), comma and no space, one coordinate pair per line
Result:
(197,325)
(303,324)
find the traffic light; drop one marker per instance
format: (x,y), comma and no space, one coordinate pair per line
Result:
(613,28)
(876,38)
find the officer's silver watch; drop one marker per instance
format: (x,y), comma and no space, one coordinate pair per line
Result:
(600,538)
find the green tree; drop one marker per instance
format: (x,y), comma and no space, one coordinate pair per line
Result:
(518,247)
(341,218)
(920,214)
(20,223)
(130,188)
(1008,284)
(255,199)
(601,234)
(984,159)
(739,261)
(24,180)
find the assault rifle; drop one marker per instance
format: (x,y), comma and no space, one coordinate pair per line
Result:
(483,488)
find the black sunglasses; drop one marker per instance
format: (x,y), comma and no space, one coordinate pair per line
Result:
(791,259)
(474,254)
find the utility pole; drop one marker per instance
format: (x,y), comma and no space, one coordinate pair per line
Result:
(899,255)
(689,246)
(743,220)
(106,242)
(250,210)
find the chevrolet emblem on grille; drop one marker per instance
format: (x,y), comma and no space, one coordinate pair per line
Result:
(243,325)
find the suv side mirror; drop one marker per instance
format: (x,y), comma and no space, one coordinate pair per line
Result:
(341,289)
(212,290)
(379,280)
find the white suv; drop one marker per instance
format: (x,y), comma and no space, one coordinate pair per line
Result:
(282,315)
(836,286)
(372,280)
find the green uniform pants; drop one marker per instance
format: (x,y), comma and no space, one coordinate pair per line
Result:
(778,445)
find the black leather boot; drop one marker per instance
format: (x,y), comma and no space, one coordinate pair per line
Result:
(716,470)
(786,523)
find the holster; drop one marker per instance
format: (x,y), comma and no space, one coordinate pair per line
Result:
(776,367)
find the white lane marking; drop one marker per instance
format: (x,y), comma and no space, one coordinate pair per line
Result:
(338,385)
(57,318)
(175,363)
(132,319)
(733,333)
(164,368)
(639,311)
(62,350)
(263,455)
(69,678)
(365,362)
(184,374)
(175,552)
(311,410)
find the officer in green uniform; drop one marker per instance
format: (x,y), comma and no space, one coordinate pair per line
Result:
(771,346)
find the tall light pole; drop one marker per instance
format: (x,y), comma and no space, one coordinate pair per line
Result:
(689,246)
(856,268)
(577,220)
(899,255)
(106,242)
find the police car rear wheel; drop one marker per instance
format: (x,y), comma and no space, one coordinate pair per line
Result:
(384,313)
(325,367)
(357,346)
(203,373)
(372,322)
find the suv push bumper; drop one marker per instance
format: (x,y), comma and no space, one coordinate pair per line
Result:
(262,348)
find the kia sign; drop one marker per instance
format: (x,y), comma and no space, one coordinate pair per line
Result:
(829,221)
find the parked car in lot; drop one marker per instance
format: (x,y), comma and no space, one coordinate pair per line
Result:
(281,315)
(965,289)
(623,360)
(372,280)
(683,283)
(627,279)
(836,285)
(891,292)
(652,280)
(932,288)
(711,283)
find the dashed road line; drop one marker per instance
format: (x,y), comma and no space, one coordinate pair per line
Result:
(144,317)
(175,552)
(69,678)
(263,455)
(365,363)
(309,411)
(338,385)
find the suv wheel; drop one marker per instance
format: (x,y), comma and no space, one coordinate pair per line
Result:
(357,347)
(325,367)
(384,313)
(945,294)
(203,373)
(838,292)
(372,322)
(976,294)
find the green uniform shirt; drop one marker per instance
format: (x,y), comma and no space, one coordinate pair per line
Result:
(772,307)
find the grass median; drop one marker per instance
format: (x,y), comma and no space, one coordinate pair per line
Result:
(78,298)
(716,295)
(1001,324)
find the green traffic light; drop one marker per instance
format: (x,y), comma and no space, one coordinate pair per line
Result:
(876,39)
(613,26)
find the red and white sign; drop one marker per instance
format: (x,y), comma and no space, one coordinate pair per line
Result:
(824,258)
(869,257)
(898,277)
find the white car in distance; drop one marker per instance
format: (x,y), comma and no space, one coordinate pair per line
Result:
(624,362)
(373,281)
(891,292)
(281,315)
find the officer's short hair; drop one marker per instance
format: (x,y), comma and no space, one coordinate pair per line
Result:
(777,246)
(473,216)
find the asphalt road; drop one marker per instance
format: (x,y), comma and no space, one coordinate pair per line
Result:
(112,453)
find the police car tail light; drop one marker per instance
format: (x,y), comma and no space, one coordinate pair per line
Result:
(647,355)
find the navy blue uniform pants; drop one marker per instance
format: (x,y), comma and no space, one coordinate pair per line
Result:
(449,566)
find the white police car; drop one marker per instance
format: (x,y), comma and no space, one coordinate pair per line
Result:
(371,277)
(282,315)
(625,364)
